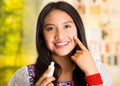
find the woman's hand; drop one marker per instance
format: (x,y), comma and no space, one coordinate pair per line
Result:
(44,80)
(84,59)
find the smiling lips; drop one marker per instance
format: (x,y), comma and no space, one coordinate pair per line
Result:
(61,44)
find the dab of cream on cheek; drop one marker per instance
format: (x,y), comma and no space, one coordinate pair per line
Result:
(51,66)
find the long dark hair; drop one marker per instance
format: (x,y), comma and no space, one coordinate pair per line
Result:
(44,56)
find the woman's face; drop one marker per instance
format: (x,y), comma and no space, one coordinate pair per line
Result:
(59,30)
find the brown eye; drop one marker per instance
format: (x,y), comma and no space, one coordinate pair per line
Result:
(67,26)
(50,28)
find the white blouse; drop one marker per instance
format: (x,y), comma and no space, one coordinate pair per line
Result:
(21,76)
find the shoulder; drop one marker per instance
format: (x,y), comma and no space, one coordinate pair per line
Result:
(22,76)
(107,79)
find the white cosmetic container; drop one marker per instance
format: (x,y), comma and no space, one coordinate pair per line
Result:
(51,66)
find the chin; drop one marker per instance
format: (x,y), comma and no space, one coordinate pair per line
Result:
(64,54)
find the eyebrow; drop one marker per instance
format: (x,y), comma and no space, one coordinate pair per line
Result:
(48,25)
(54,25)
(67,22)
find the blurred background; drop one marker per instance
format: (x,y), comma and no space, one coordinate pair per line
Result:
(18,26)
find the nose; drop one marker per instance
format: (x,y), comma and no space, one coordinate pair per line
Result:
(59,35)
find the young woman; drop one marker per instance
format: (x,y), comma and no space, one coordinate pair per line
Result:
(60,37)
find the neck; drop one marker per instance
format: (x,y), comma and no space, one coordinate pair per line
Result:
(64,61)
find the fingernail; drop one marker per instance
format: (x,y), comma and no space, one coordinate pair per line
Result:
(75,37)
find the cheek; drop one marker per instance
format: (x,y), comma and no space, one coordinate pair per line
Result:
(48,40)
(73,33)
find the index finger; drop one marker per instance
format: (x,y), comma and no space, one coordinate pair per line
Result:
(80,44)
(45,74)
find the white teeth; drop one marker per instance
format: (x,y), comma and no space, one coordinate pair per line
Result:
(60,44)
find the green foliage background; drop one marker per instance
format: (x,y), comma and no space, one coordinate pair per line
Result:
(11,13)
(11,23)
(17,21)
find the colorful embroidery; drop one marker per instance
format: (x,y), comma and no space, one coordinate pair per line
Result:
(31,74)
(32,77)
(69,83)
